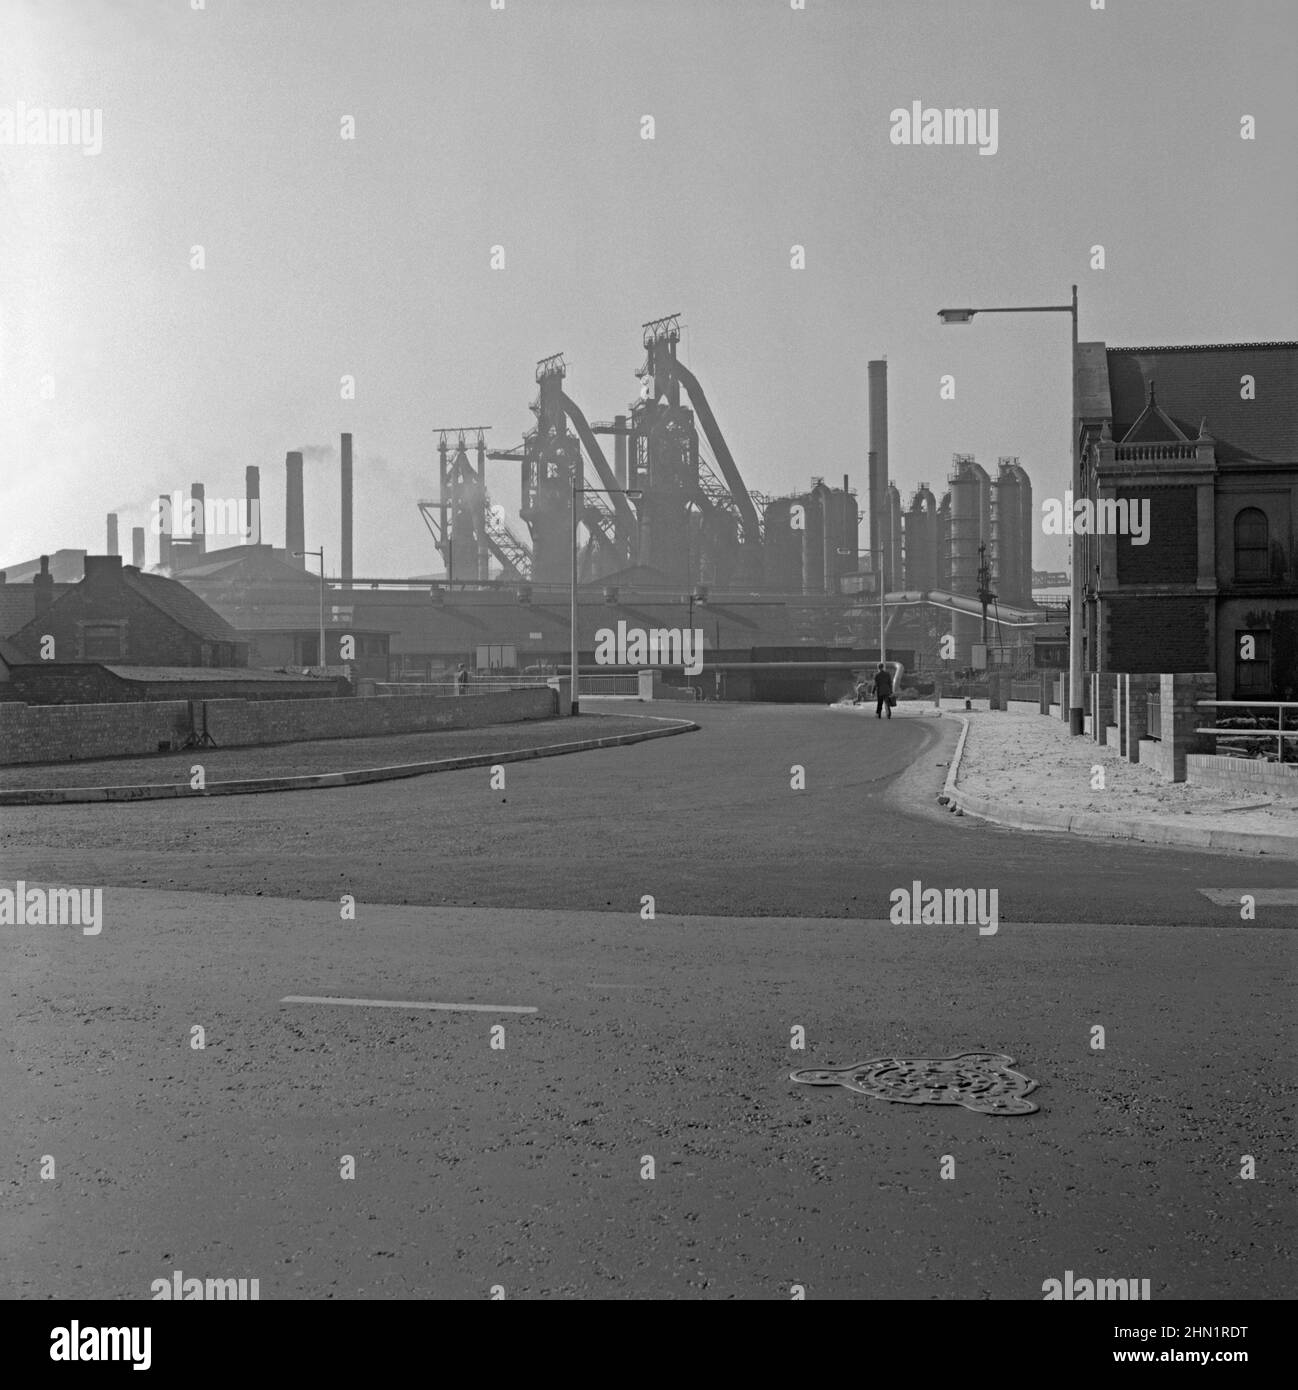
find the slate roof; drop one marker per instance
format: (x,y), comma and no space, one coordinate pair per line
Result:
(181,605)
(1197,382)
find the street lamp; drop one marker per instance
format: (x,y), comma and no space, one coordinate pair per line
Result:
(301,555)
(1076,704)
(634,494)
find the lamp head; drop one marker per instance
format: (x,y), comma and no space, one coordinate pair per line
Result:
(956,315)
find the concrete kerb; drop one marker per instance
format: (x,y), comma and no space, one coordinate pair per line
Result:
(1098,827)
(160,791)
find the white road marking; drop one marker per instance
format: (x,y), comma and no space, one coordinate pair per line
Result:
(1262,897)
(410,1004)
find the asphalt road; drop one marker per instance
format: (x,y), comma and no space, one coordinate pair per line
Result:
(705,823)
(669,1039)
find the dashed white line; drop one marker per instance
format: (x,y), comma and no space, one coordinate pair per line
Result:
(410,1004)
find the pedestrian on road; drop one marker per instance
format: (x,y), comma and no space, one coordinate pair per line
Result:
(882,693)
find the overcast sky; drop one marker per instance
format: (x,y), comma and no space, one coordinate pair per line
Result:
(522,128)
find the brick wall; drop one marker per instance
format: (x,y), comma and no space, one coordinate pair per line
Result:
(1172,553)
(1167,634)
(63,733)
(68,733)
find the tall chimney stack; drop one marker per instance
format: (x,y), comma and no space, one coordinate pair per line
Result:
(252,497)
(198,533)
(112,534)
(42,587)
(878,456)
(347,509)
(164,532)
(137,547)
(294,517)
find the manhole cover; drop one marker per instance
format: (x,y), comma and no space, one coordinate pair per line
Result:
(977,1080)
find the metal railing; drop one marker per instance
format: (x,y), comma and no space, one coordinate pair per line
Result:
(1154,714)
(1242,733)
(474,686)
(608,685)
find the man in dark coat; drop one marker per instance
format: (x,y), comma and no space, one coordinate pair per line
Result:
(882,693)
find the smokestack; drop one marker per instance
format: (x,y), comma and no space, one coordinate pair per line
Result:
(112,534)
(252,499)
(294,517)
(43,587)
(137,547)
(877,373)
(347,509)
(164,532)
(198,534)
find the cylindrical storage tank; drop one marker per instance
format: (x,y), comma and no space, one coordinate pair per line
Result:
(813,542)
(1027,532)
(893,567)
(943,537)
(966,531)
(1009,547)
(781,549)
(831,517)
(921,541)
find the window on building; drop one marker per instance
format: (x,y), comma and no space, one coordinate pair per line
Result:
(1252,545)
(103,643)
(1253,678)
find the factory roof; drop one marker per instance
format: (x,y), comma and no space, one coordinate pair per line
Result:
(180,604)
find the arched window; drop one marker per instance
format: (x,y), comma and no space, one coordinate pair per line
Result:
(1252,545)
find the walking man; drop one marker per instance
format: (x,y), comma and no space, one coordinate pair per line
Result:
(882,693)
(461,679)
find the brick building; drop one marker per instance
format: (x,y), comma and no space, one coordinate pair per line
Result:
(120,616)
(1205,438)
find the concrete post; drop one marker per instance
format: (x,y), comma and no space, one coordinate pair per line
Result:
(1135,714)
(1101,705)
(562,685)
(1047,685)
(646,679)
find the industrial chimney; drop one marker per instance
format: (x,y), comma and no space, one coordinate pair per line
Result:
(164,531)
(294,517)
(198,532)
(347,508)
(112,534)
(252,498)
(877,373)
(137,547)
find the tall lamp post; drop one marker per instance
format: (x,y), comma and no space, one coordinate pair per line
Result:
(301,555)
(634,494)
(1076,703)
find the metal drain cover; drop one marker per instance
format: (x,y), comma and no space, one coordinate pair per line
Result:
(980,1081)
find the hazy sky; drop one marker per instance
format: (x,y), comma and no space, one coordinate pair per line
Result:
(522,127)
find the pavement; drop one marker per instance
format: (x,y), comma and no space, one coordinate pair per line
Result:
(310,766)
(771,842)
(1022,769)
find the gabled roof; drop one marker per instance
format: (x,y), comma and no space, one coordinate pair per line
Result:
(18,605)
(1204,383)
(11,655)
(181,605)
(1153,426)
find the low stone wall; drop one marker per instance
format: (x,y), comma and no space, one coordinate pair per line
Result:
(69,733)
(1241,774)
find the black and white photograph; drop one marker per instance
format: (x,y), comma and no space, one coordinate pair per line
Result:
(648,652)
